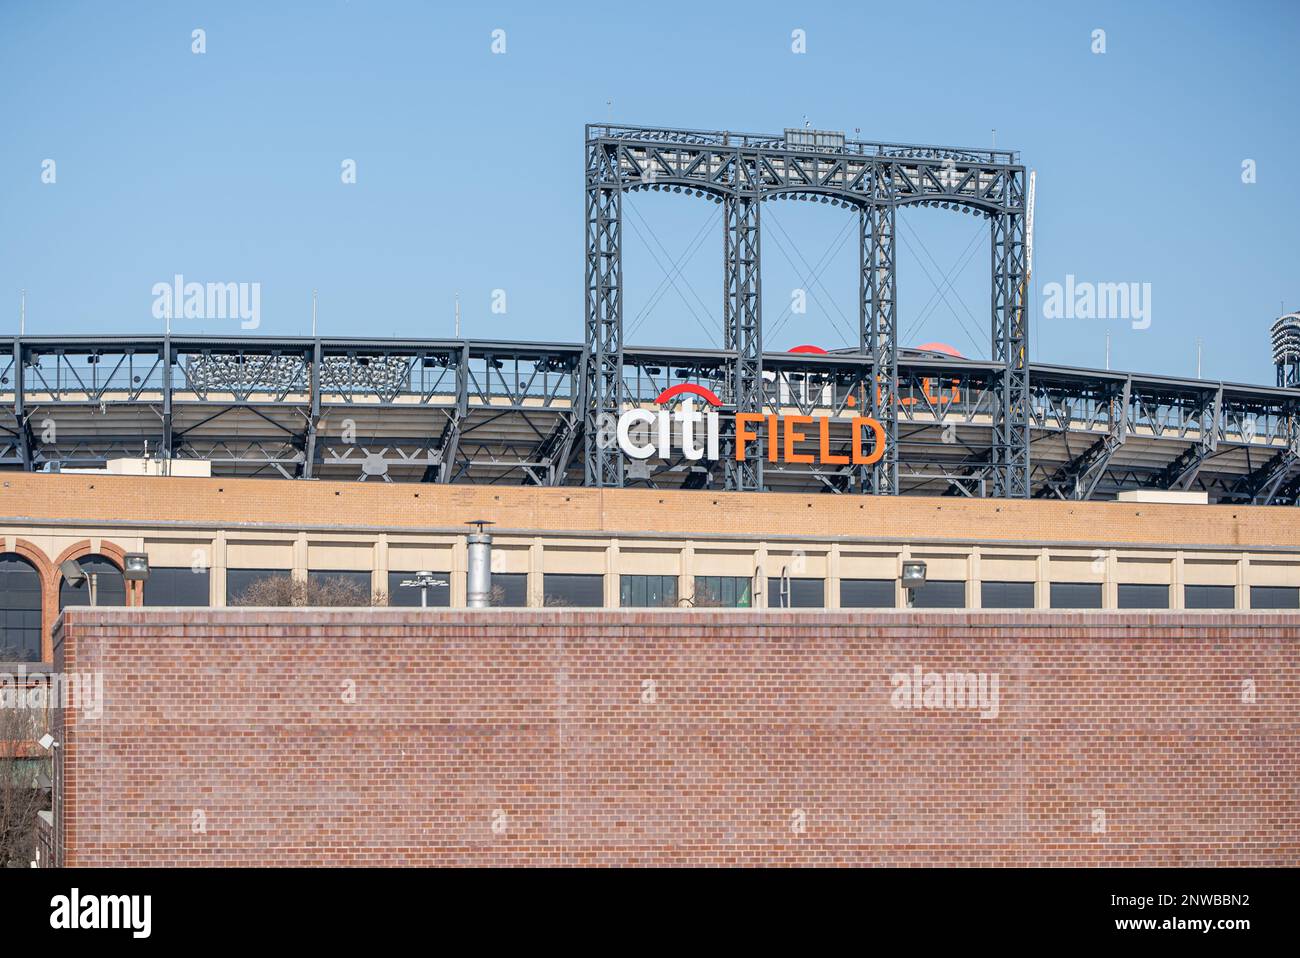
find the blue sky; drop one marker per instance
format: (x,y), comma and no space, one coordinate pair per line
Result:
(225,166)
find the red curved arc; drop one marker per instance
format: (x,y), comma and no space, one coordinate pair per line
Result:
(940,348)
(808,349)
(693,388)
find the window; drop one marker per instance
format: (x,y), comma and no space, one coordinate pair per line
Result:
(20,610)
(1007,595)
(802,593)
(940,594)
(1140,596)
(406,596)
(647,591)
(1274,597)
(238,581)
(723,591)
(348,586)
(1076,595)
(359,580)
(509,590)
(110,587)
(177,587)
(867,594)
(1209,597)
(587,591)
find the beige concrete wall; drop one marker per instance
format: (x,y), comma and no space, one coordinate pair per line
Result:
(331,526)
(382,552)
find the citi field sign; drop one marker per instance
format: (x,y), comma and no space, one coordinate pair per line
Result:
(643,433)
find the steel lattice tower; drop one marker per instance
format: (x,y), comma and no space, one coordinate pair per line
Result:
(873,180)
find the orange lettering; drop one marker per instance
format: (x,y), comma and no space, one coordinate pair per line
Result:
(878,452)
(743,434)
(793,435)
(925,389)
(824,425)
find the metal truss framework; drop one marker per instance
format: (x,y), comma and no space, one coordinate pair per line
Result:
(742,318)
(291,408)
(874,179)
(1010,351)
(1078,478)
(879,338)
(512,413)
(602,361)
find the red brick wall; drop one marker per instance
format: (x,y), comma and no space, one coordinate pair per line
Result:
(541,715)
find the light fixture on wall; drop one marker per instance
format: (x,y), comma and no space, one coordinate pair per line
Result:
(76,576)
(135,567)
(913,579)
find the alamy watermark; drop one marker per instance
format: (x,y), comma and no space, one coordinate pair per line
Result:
(974,691)
(38,691)
(1085,300)
(181,300)
(75,911)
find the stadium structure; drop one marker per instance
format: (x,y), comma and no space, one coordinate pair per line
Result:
(532,413)
(699,616)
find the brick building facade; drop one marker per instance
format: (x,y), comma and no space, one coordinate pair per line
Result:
(205,538)
(567,737)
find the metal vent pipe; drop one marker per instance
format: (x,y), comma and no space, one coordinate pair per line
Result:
(479,592)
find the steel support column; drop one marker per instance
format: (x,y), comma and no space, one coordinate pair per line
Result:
(449,441)
(878,339)
(313,415)
(167,451)
(602,359)
(742,321)
(560,461)
(1010,327)
(20,413)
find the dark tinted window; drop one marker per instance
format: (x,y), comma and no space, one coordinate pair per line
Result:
(1209,597)
(940,594)
(723,591)
(1007,595)
(646,591)
(352,586)
(20,610)
(238,580)
(1076,595)
(357,579)
(795,593)
(577,590)
(510,589)
(1140,596)
(439,594)
(1274,597)
(110,587)
(177,587)
(867,594)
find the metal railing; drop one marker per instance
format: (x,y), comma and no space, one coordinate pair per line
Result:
(771,141)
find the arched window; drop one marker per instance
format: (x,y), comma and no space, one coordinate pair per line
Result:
(110,587)
(20,610)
